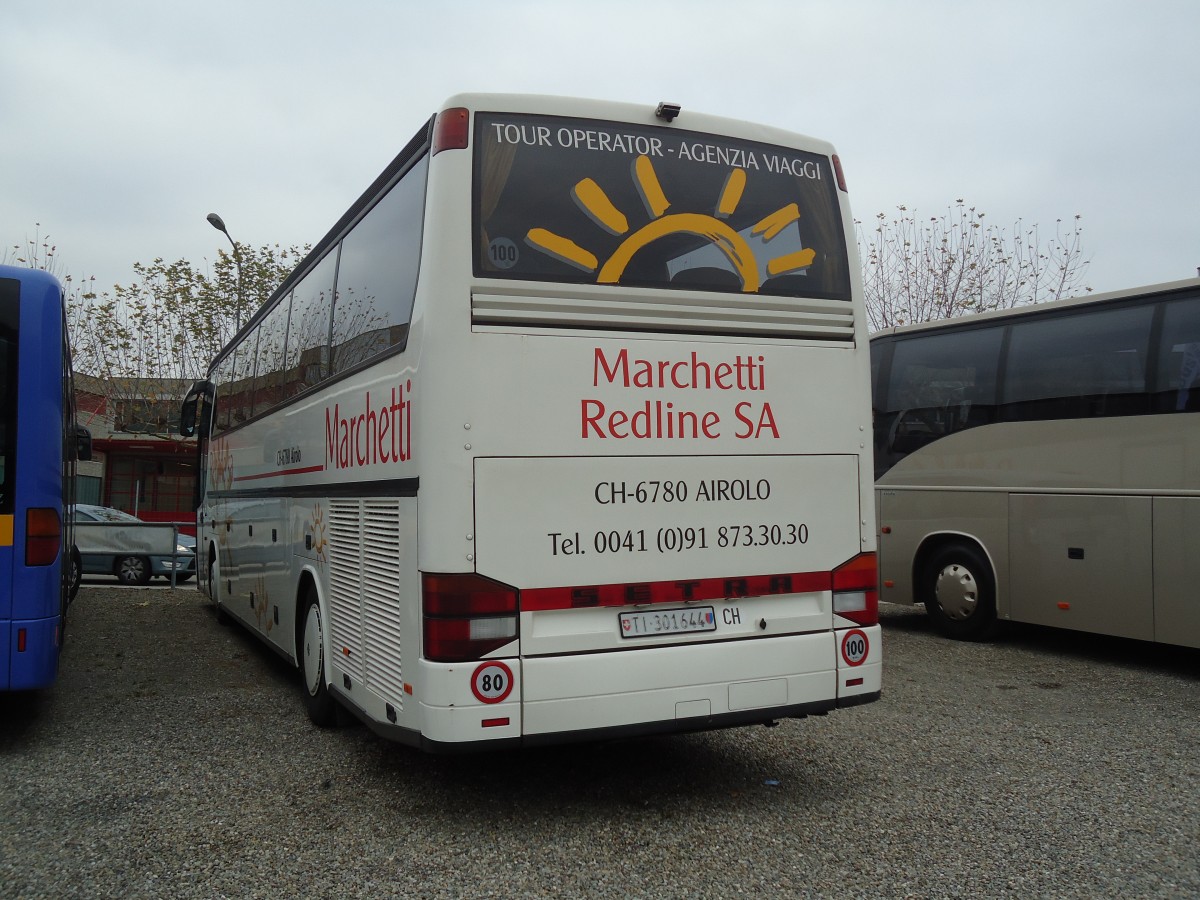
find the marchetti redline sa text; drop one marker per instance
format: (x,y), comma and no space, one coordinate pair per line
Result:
(720,387)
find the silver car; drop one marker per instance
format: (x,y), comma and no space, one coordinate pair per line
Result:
(133,553)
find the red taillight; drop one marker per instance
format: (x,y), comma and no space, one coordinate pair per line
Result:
(22,637)
(43,536)
(839,174)
(452,130)
(466,616)
(856,590)
(466,595)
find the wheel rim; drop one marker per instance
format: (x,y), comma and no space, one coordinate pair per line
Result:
(957,592)
(132,569)
(313,652)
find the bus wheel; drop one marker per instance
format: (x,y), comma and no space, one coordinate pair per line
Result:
(959,592)
(321,708)
(132,570)
(75,574)
(214,589)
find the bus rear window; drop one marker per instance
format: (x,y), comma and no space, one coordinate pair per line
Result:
(592,202)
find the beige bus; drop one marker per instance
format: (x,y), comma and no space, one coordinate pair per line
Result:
(1042,465)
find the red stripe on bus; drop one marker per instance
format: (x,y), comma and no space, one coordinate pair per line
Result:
(677,591)
(304,471)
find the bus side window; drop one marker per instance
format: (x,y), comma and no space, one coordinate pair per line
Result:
(377,274)
(938,385)
(306,363)
(1177,384)
(223,404)
(1080,366)
(272,349)
(242,391)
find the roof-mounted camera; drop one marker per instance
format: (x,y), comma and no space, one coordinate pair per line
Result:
(667,111)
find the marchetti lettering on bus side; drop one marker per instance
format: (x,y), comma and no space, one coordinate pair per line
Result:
(654,419)
(374,434)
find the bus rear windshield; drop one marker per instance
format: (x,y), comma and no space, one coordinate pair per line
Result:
(593,202)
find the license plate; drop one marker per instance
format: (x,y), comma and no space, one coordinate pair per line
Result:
(651,623)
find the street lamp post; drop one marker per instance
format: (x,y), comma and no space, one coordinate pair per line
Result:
(218,223)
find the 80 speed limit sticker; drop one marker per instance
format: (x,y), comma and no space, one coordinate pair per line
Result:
(855,647)
(492,682)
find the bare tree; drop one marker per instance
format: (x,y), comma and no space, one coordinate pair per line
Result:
(957,263)
(174,318)
(147,338)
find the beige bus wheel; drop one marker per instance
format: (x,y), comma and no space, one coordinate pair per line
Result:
(958,589)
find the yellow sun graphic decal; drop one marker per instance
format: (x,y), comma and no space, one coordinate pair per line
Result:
(316,527)
(712,227)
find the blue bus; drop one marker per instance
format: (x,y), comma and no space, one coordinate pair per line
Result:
(39,444)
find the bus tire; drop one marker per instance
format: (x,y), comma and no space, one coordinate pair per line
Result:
(214,589)
(132,570)
(67,597)
(311,652)
(959,592)
(74,574)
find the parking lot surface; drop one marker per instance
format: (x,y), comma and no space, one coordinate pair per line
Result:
(174,759)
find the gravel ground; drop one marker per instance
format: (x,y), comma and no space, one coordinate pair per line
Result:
(174,759)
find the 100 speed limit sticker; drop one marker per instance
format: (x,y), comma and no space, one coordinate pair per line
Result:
(492,682)
(855,647)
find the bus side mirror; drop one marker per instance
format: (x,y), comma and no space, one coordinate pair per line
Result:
(83,444)
(188,414)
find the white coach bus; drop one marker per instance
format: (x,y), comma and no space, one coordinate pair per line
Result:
(560,433)
(1042,465)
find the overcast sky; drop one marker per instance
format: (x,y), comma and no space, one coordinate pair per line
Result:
(123,123)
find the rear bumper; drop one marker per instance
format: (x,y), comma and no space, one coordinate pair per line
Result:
(681,688)
(37,666)
(709,723)
(598,735)
(650,690)
(758,679)
(647,729)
